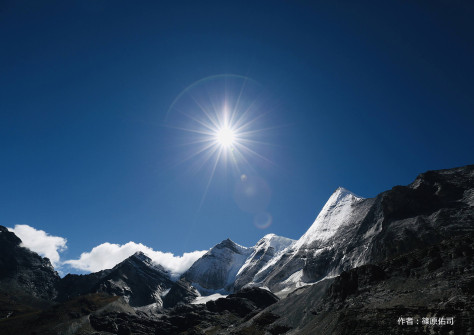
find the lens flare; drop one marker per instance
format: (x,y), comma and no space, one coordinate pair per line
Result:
(221,122)
(262,220)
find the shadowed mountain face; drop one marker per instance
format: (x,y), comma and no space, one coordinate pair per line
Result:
(136,279)
(437,205)
(23,270)
(75,285)
(362,265)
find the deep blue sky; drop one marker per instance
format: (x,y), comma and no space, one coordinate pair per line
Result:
(366,96)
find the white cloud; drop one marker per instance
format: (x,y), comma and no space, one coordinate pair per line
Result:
(107,255)
(101,257)
(41,242)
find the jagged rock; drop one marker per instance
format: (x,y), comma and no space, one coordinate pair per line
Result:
(136,279)
(238,306)
(243,302)
(348,282)
(260,297)
(217,269)
(24,271)
(117,323)
(73,285)
(183,318)
(180,292)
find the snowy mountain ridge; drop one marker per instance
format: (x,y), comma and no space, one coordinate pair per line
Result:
(216,270)
(331,218)
(268,248)
(302,262)
(229,266)
(343,236)
(277,243)
(139,257)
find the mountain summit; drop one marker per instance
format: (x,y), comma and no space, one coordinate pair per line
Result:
(336,213)
(264,253)
(216,270)
(137,279)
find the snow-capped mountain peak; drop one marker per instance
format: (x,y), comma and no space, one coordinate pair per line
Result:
(217,269)
(139,259)
(228,244)
(267,249)
(278,243)
(334,215)
(341,193)
(142,257)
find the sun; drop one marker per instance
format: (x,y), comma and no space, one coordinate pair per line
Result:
(221,125)
(225,136)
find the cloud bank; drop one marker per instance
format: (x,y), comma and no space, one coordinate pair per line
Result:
(101,257)
(41,242)
(107,255)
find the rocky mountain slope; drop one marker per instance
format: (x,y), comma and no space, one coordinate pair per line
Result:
(228,266)
(426,291)
(137,279)
(217,269)
(24,271)
(264,253)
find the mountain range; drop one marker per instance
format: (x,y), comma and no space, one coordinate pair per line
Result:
(405,254)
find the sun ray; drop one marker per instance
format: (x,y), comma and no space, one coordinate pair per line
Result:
(189,130)
(224,127)
(211,127)
(211,176)
(253,152)
(213,120)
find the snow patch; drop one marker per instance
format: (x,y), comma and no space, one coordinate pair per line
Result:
(374,230)
(269,266)
(206,298)
(165,292)
(292,283)
(294,278)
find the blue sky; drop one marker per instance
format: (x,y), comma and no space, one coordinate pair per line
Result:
(362,95)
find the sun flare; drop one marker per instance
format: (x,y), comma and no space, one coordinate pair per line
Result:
(225,136)
(223,126)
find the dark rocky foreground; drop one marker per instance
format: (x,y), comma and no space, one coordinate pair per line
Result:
(104,314)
